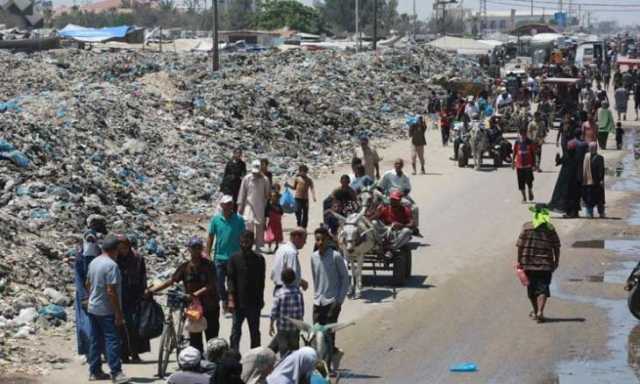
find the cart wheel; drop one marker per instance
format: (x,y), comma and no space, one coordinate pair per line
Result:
(399,269)
(408,262)
(463,157)
(497,159)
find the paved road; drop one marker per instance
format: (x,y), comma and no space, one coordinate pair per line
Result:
(463,302)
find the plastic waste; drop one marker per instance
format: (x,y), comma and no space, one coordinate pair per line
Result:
(53,311)
(6,146)
(464,367)
(17,157)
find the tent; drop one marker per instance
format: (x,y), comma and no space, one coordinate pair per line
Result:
(462,46)
(98,35)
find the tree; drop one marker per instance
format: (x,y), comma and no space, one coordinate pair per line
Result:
(274,14)
(340,14)
(239,14)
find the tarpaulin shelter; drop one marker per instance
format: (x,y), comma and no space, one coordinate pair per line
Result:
(122,33)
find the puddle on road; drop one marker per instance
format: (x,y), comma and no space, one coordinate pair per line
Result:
(621,247)
(627,171)
(623,364)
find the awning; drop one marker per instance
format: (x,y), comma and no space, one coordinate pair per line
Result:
(95,35)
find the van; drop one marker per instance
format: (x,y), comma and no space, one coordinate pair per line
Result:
(589,54)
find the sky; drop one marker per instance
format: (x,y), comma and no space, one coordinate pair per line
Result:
(424,7)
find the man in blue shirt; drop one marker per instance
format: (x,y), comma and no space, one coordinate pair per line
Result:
(225,229)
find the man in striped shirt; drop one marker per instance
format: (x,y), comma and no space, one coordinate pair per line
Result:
(539,255)
(288,302)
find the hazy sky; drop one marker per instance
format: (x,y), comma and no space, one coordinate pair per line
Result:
(424,8)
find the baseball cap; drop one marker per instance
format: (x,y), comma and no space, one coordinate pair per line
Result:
(226,199)
(396,195)
(255,166)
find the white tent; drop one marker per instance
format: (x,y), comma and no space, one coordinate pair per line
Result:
(462,46)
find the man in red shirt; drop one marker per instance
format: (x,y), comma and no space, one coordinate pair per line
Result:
(524,160)
(399,218)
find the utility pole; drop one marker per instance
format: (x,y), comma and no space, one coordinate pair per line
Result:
(215,55)
(531,8)
(358,46)
(442,4)
(375,24)
(415,20)
(559,5)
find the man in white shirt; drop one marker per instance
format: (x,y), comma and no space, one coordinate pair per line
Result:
(287,257)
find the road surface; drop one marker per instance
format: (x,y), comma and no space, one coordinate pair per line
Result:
(463,302)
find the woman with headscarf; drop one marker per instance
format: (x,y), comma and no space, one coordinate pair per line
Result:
(89,250)
(295,368)
(134,283)
(257,364)
(593,181)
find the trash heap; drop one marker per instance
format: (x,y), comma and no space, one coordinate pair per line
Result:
(142,139)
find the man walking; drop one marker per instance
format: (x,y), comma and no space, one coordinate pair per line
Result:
(104,283)
(287,257)
(225,228)
(524,154)
(254,194)
(330,283)
(621,96)
(418,141)
(605,124)
(246,274)
(369,156)
(539,255)
(234,171)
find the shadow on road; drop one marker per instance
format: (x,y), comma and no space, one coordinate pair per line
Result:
(374,295)
(142,380)
(347,374)
(564,320)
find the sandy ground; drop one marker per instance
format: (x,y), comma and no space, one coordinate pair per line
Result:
(463,302)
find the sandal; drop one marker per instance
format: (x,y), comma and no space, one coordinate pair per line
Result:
(540,319)
(532,315)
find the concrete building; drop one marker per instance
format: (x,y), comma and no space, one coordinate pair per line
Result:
(504,21)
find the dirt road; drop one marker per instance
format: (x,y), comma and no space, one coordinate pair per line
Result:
(463,302)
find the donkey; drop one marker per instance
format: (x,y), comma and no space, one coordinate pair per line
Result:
(479,141)
(319,337)
(356,238)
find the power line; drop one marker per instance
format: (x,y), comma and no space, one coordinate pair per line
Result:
(524,7)
(617,5)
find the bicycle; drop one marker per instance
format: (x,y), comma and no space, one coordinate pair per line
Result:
(171,337)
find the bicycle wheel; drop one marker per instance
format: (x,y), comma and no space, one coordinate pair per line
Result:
(180,339)
(167,342)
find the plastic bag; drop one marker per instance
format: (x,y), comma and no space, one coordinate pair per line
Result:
(522,275)
(287,201)
(6,146)
(17,157)
(53,311)
(195,326)
(195,310)
(151,319)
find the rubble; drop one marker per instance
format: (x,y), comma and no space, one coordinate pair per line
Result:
(142,138)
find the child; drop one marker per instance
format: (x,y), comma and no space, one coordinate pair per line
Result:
(302,184)
(619,135)
(288,302)
(274,213)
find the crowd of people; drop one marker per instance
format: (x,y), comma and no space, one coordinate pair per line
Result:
(225,275)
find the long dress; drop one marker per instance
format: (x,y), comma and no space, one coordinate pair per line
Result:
(84,256)
(274,226)
(134,283)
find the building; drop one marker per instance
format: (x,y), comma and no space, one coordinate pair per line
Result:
(504,21)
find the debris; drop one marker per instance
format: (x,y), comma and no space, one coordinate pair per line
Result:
(464,367)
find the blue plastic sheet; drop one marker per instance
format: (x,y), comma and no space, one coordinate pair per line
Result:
(53,311)
(94,35)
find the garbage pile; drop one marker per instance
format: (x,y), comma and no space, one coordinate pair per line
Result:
(142,138)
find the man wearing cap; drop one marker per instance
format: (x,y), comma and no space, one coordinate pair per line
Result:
(399,218)
(369,156)
(225,228)
(255,191)
(189,373)
(417,131)
(199,279)
(104,283)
